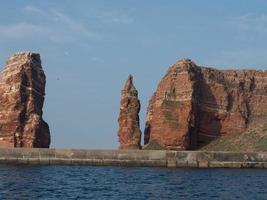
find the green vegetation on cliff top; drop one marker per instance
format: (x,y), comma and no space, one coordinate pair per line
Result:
(253,140)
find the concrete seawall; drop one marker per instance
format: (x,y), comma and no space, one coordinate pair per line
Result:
(149,158)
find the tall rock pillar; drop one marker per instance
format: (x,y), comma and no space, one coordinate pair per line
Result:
(22,91)
(129,130)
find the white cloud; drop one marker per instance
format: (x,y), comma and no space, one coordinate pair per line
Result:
(72,24)
(97,59)
(238,58)
(112,17)
(33,9)
(123,19)
(247,43)
(249,22)
(101,16)
(21,30)
(57,27)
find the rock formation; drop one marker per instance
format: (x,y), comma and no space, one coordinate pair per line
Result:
(193,105)
(22,90)
(129,132)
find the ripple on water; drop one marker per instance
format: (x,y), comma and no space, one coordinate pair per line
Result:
(84,182)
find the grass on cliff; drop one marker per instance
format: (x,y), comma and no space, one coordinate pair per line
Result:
(255,139)
(153,145)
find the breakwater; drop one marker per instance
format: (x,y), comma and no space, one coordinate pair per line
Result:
(140,158)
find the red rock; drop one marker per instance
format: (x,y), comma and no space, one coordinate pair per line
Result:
(129,130)
(22,90)
(193,105)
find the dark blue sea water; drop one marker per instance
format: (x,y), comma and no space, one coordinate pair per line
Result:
(84,182)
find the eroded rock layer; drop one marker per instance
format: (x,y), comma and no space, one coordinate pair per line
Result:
(194,105)
(129,131)
(22,90)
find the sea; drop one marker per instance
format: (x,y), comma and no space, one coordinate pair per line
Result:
(88,182)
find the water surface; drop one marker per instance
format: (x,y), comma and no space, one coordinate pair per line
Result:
(85,182)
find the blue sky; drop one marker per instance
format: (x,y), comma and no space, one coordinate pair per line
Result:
(88,48)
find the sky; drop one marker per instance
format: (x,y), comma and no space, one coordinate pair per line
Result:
(89,47)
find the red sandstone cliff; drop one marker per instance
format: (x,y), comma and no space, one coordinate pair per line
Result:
(129,132)
(194,105)
(22,90)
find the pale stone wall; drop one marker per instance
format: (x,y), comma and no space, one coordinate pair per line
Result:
(140,158)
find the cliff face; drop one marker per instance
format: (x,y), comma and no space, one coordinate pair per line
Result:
(194,105)
(22,90)
(129,132)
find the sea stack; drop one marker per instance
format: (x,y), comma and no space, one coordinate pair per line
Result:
(22,91)
(129,130)
(194,105)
